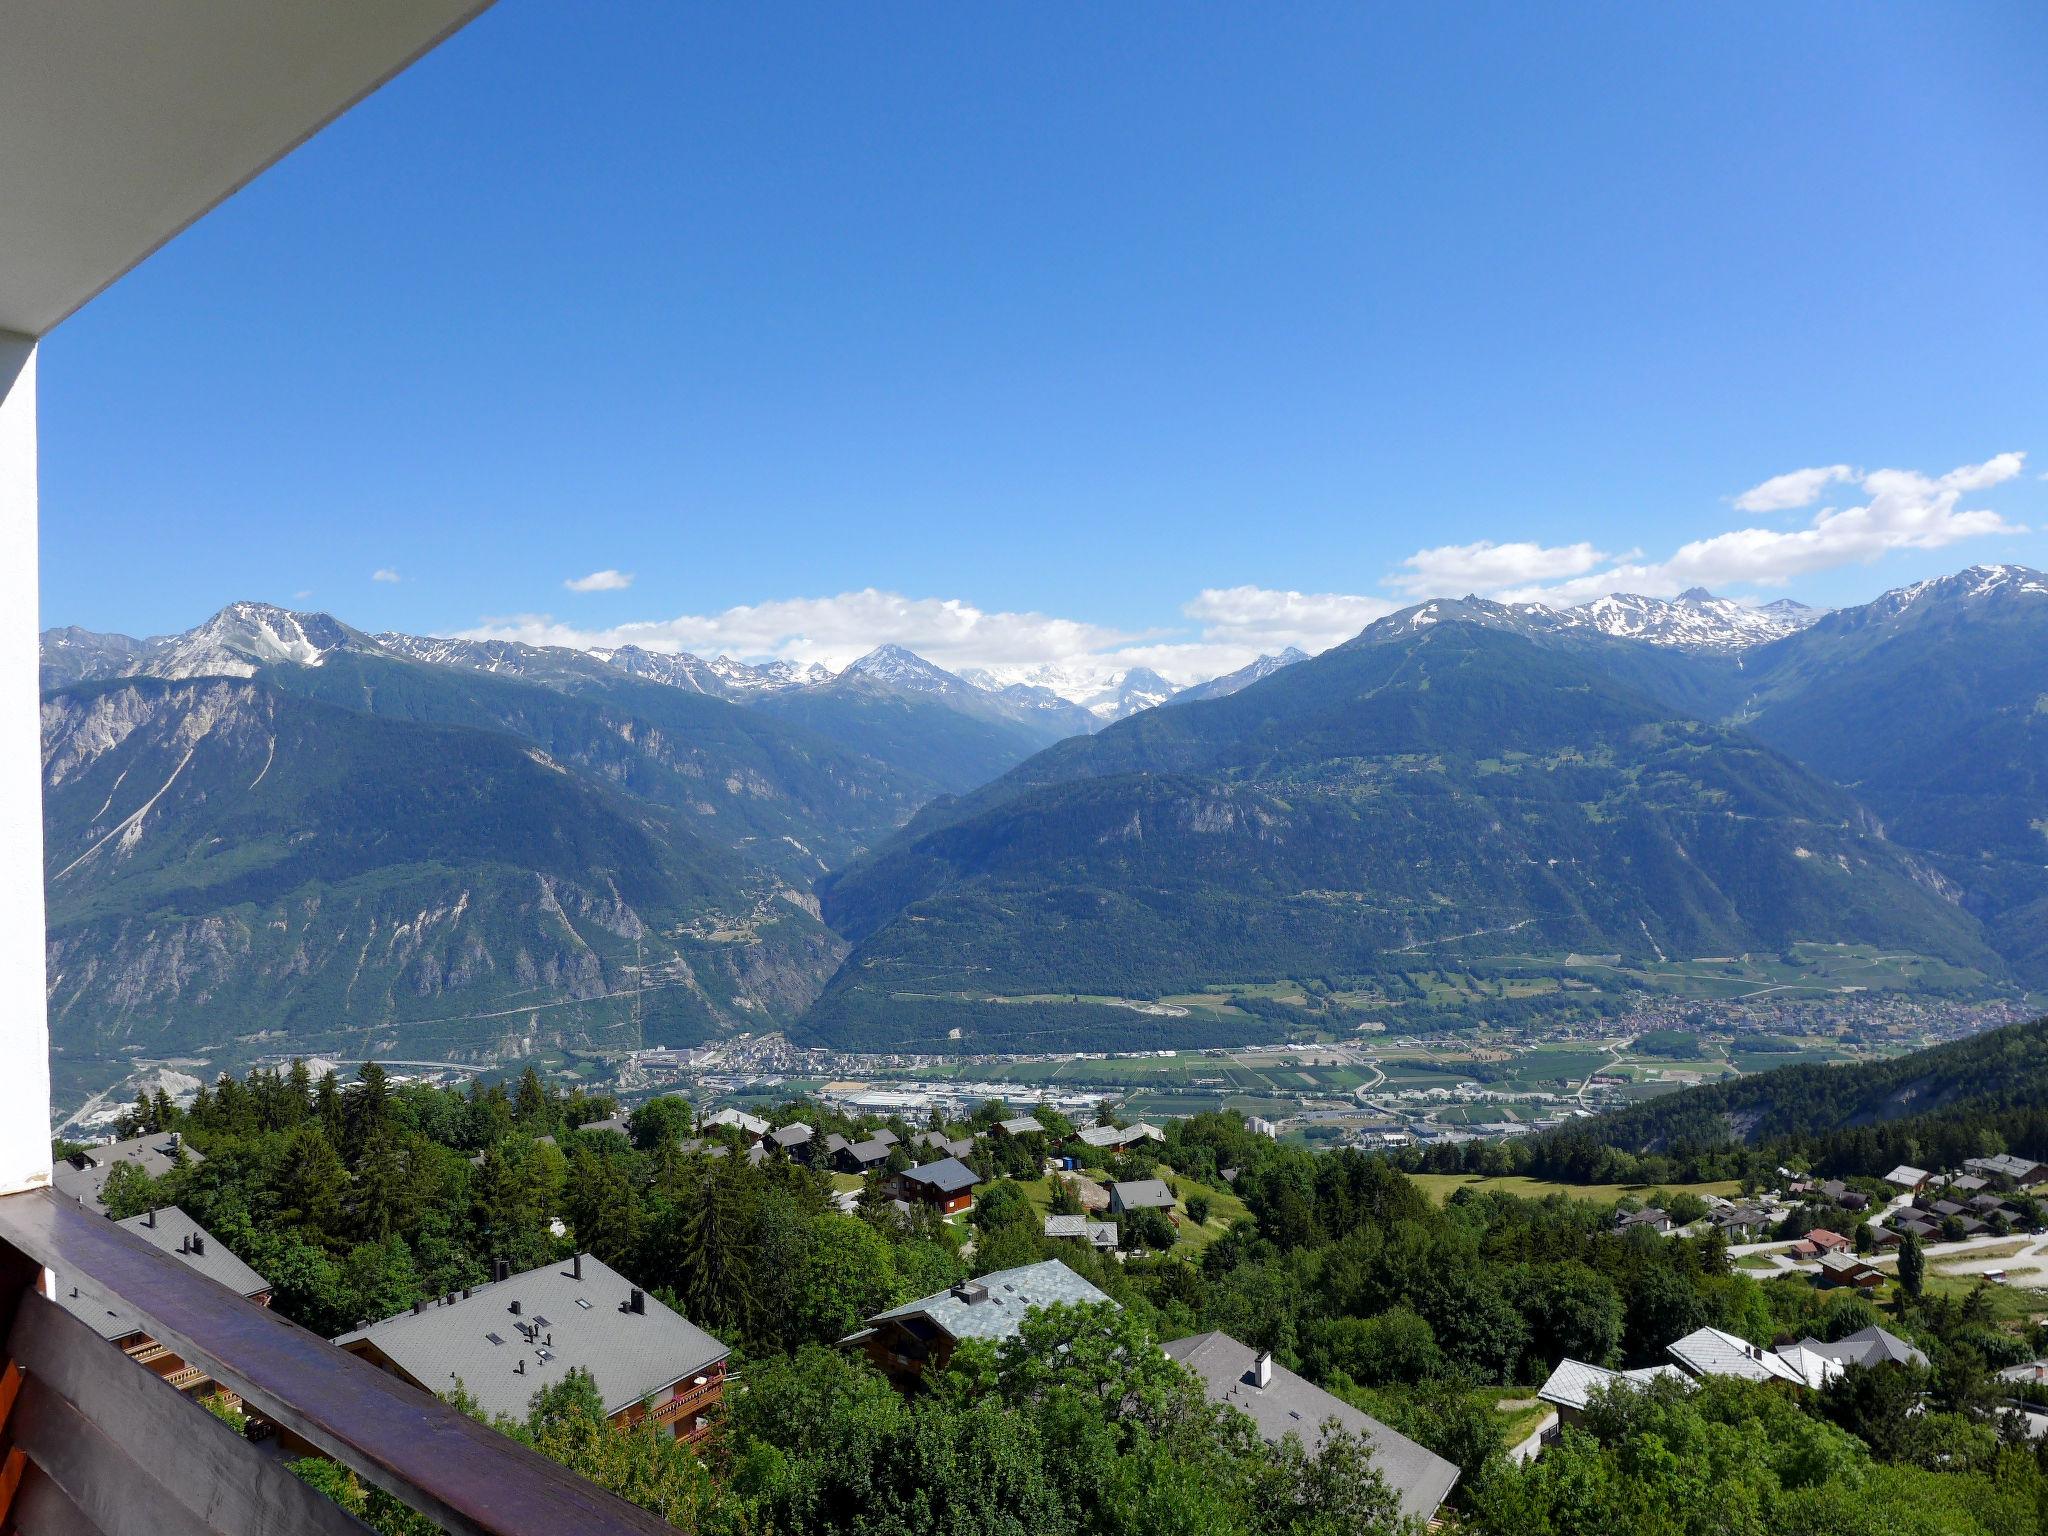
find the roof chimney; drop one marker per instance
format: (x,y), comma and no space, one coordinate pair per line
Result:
(636,1300)
(149,1220)
(1262,1369)
(198,1246)
(418,1307)
(576,1266)
(514,1309)
(501,1269)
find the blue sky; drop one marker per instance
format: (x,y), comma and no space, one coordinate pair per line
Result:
(1010,332)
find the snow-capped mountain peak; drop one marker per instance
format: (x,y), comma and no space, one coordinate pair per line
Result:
(1695,620)
(769,677)
(245,637)
(1231,682)
(895,667)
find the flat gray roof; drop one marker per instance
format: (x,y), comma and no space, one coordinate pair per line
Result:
(507,1340)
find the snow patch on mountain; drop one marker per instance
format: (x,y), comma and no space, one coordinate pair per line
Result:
(1693,621)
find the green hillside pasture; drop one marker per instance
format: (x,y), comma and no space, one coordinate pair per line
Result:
(1441,1186)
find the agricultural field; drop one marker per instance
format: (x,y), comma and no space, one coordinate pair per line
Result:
(1441,1186)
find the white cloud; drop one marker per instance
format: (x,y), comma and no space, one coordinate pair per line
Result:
(1452,570)
(1236,625)
(1263,620)
(1229,626)
(1905,510)
(385,574)
(1799,488)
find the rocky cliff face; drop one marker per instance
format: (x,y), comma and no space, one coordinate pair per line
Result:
(227,862)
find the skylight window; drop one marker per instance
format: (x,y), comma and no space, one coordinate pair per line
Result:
(583,1302)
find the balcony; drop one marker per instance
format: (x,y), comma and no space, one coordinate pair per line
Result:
(122,124)
(99,1443)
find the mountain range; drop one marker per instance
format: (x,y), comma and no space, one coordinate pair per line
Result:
(894,853)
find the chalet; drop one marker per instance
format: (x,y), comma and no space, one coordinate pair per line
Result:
(794,1138)
(1097,1234)
(1280,1403)
(1140,1195)
(504,1341)
(886,1137)
(1847,1269)
(1965,1185)
(177,1234)
(1908,1178)
(1648,1219)
(1019,1125)
(946,1186)
(937,1144)
(1840,1194)
(860,1156)
(1821,1241)
(1867,1347)
(1710,1352)
(1110,1138)
(904,1342)
(618,1124)
(2007,1171)
(83,1175)
(1741,1222)
(752,1126)
(1570,1388)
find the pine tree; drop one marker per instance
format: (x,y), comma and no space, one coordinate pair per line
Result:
(1912,1266)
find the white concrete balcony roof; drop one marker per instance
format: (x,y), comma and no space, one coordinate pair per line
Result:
(122,121)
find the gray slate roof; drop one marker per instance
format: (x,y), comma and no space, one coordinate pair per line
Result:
(753,1125)
(1868,1346)
(1289,1405)
(2005,1165)
(795,1134)
(1138,1194)
(1712,1352)
(615,1123)
(83,1177)
(173,1232)
(1102,1234)
(949,1176)
(1011,1294)
(1020,1125)
(629,1355)
(1574,1382)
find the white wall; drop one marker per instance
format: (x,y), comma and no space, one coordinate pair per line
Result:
(24,1025)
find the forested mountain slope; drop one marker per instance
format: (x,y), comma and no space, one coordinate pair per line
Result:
(227,857)
(1931,1108)
(1932,705)
(1439,779)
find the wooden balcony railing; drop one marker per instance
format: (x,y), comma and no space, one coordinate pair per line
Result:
(690,1401)
(90,1442)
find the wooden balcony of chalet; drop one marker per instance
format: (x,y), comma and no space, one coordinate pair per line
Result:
(93,1441)
(119,126)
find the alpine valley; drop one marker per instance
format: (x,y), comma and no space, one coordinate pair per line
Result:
(275,828)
